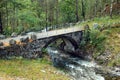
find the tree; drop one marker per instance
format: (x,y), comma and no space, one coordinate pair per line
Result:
(83,9)
(1,27)
(57,11)
(38,14)
(46,12)
(77,15)
(96,7)
(111,8)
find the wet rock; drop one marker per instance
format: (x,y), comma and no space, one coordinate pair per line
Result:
(12,42)
(24,40)
(14,34)
(2,37)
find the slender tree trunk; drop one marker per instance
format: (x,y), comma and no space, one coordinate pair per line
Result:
(77,16)
(57,12)
(111,8)
(46,12)
(95,8)
(1,27)
(117,1)
(83,9)
(14,18)
(51,14)
(6,15)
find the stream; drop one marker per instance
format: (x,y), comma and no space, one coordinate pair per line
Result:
(77,68)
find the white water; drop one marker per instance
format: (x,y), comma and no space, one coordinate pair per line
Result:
(77,68)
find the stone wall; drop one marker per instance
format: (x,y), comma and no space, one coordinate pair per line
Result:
(31,48)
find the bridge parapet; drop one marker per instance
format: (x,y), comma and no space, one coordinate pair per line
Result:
(33,48)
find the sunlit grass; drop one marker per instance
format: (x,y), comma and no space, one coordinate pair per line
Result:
(40,69)
(102,21)
(113,44)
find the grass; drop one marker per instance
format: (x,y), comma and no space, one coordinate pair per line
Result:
(24,69)
(101,21)
(112,43)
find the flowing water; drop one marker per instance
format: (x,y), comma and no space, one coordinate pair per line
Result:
(77,68)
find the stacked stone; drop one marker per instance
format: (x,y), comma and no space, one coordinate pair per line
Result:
(29,49)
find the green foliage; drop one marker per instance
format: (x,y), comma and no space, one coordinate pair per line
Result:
(29,69)
(97,38)
(29,17)
(93,41)
(33,13)
(8,30)
(44,50)
(68,10)
(19,29)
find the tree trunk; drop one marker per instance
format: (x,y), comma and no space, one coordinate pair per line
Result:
(83,9)
(95,8)
(46,12)
(111,8)
(51,14)
(56,12)
(1,27)
(6,15)
(77,16)
(117,1)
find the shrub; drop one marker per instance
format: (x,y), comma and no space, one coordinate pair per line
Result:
(93,42)
(19,29)
(8,30)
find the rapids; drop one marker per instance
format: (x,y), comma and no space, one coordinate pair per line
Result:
(77,68)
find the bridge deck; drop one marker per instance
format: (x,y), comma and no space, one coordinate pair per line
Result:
(47,34)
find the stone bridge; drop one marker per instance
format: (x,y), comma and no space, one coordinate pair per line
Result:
(32,44)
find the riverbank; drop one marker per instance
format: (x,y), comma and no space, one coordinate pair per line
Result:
(24,69)
(109,28)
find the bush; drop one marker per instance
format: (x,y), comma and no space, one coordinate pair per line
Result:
(8,31)
(93,42)
(19,29)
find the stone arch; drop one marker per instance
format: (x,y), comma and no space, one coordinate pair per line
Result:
(70,39)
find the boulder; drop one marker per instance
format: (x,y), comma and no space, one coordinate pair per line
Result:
(14,34)
(12,42)
(2,37)
(24,40)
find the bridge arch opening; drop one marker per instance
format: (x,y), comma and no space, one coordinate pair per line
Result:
(66,39)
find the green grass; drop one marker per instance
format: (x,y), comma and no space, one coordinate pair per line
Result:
(40,69)
(113,45)
(101,21)
(112,42)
